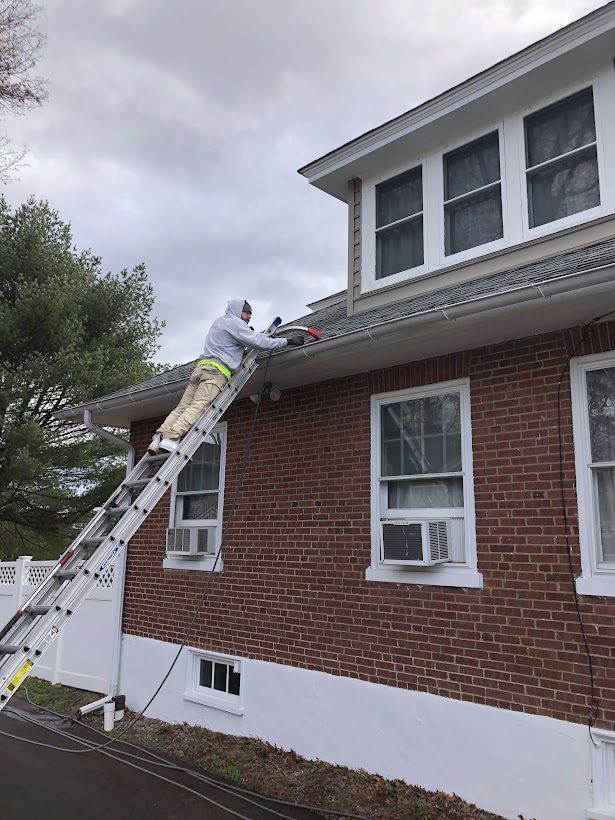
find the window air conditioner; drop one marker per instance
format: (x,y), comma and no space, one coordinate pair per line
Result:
(191,542)
(414,543)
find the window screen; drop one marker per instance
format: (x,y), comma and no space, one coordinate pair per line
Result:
(198,486)
(421,452)
(472,195)
(219,676)
(561,159)
(601,408)
(399,223)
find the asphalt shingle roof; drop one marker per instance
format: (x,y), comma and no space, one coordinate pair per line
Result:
(333,321)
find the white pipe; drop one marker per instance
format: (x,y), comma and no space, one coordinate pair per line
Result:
(107,434)
(96,704)
(108,716)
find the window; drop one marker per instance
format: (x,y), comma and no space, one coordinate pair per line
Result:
(561,159)
(603,775)
(215,680)
(198,488)
(593,392)
(196,507)
(422,472)
(399,223)
(472,195)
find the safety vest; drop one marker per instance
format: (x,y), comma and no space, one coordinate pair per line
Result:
(221,367)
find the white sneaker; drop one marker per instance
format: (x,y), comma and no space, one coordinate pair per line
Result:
(155,445)
(168,444)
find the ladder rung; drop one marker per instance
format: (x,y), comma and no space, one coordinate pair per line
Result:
(38,609)
(66,574)
(118,510)
(135,485)
(92,542)
(158,458)
(32,628)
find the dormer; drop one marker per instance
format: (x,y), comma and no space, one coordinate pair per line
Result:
(514,165)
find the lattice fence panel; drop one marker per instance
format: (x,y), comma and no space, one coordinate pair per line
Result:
(106,579)
(35,573)
(7,573)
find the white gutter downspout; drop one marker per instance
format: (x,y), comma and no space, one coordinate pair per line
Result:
(119,572)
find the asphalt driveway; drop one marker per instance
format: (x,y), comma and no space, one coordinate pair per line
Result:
(40,782)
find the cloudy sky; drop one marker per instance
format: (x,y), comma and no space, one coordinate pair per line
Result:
(173,131)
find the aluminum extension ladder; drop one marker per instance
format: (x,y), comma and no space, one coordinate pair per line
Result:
(24,638)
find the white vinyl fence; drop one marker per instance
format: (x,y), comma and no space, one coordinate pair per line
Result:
(82,653)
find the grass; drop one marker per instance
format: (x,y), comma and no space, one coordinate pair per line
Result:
(262,767)
(60,698)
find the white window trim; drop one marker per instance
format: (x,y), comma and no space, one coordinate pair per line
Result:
(369,216)
(208,562)
(439,235)
(206,697)
(519,135)
(594,579)
(515,214)
(603,775)
(418,269)
(449,574)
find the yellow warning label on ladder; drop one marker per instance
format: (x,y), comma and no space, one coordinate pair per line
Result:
(19,675)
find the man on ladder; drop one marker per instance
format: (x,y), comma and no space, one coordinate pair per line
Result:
(225,345)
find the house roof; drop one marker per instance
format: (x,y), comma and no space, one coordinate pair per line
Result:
(571,272)
(582,44)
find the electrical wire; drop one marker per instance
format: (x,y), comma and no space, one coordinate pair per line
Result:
(101,747)
(210,577)
(586,336)
(161,761)
(113,757)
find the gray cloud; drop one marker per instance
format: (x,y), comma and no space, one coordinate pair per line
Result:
(173,132)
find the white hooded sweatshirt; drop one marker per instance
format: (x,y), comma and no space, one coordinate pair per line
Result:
(229,335)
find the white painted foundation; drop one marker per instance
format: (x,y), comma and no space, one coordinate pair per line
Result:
(504,761)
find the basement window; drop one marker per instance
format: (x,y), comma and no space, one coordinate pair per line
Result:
(215,680)
(603,775)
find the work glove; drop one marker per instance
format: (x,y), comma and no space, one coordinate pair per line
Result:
(296,341)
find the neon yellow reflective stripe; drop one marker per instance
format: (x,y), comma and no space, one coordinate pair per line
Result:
(221,367)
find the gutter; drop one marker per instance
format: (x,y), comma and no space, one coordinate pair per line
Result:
(559,285)
(119,572)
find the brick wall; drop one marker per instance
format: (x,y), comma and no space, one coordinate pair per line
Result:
(293,589)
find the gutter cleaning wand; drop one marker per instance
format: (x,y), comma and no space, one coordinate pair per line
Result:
(311,331)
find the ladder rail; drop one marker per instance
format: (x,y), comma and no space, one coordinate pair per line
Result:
(39,620)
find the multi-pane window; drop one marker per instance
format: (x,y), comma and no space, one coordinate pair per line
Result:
(472,195)
(198,488)
(601,416)
(219,676)
(399,223)
(420,454)
(422,487)
(593,416)
(561,159)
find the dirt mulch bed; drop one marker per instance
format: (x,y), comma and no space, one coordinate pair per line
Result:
(268,769)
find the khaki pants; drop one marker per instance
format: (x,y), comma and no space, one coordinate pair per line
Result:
(204,385)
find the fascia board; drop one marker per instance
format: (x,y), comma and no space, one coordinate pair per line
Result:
(604,274)
(576,34)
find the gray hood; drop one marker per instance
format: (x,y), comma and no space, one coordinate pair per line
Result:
(235,306)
